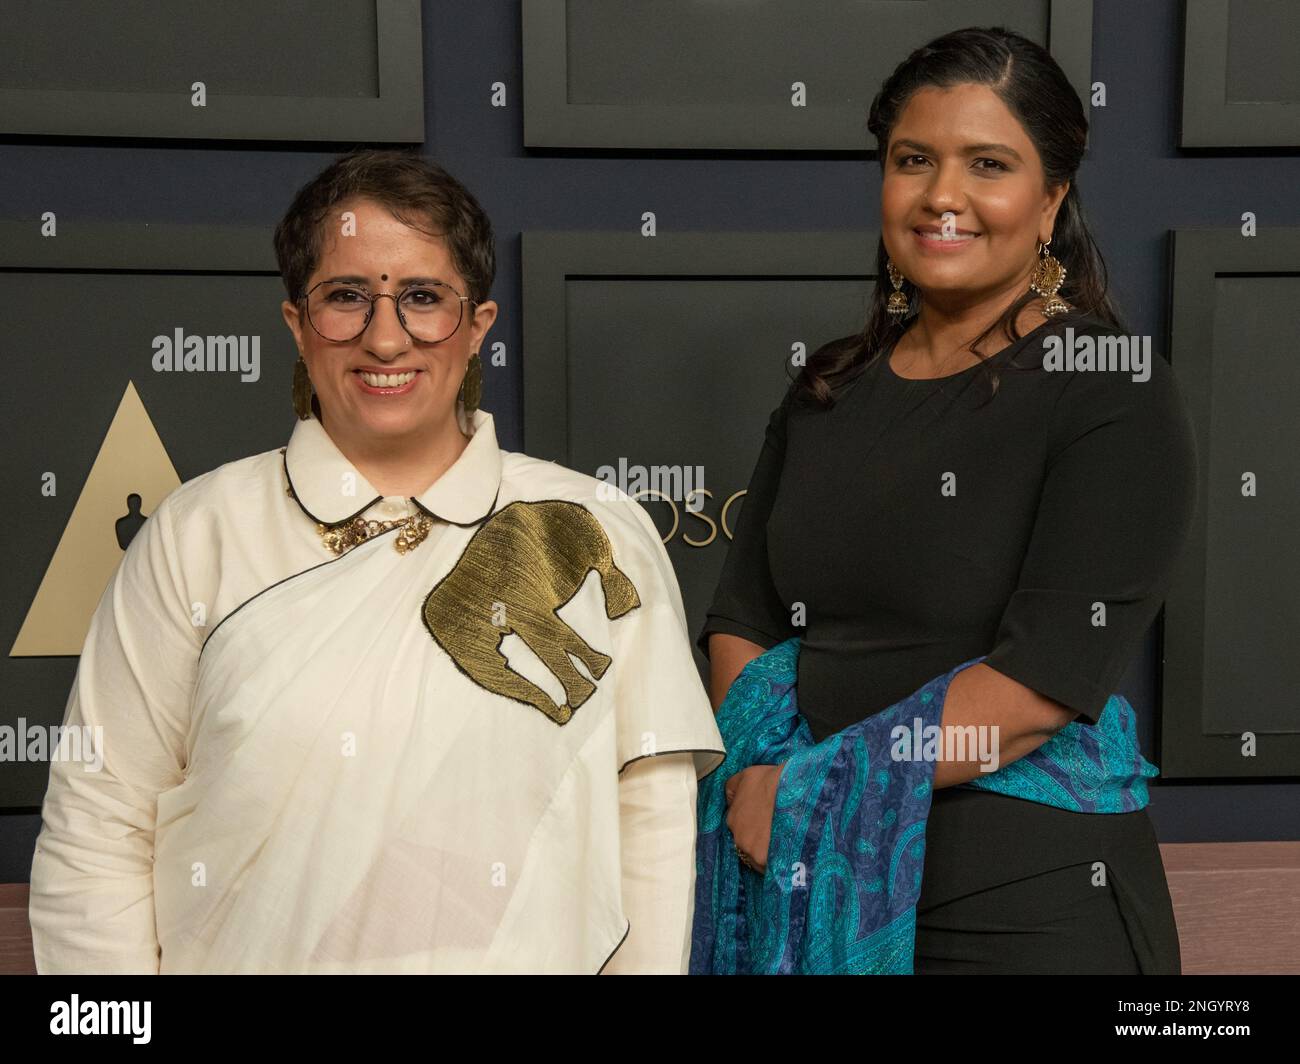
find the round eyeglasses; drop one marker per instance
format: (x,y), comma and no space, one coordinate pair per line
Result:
(429,312)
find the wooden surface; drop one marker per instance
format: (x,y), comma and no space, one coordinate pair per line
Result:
(1237,905)
(15,931)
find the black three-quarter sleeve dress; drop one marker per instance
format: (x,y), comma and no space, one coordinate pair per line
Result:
(1063,490)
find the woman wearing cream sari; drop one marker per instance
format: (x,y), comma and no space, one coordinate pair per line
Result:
(388,699)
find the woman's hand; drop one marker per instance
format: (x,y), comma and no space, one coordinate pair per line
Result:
(751,800)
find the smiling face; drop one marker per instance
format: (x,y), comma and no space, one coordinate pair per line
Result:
(961,152)
(360,416)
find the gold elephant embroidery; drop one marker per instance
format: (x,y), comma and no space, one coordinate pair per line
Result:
(523,564)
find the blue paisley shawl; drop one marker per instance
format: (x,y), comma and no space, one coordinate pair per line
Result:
(847,845)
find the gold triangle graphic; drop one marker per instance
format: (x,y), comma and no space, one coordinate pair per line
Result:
(131,460)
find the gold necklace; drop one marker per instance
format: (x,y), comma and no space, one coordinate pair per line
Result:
(342,536)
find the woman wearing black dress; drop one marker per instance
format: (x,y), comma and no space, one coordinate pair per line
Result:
(936,488)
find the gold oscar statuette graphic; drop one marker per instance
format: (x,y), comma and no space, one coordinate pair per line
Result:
(131,461)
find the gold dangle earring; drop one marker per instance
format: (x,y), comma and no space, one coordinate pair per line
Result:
(898,304)
(471,386)
(1046,281)
(301,390)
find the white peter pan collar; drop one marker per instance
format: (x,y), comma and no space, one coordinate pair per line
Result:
(463,495)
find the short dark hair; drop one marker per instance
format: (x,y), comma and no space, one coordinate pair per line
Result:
(415,190)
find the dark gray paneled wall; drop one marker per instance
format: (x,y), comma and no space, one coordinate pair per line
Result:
(1137,185)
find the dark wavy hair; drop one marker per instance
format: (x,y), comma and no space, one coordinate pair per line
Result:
(1034,88)
(416,191)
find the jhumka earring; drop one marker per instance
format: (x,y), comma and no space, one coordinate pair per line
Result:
(1046,281)
(898,303)
(301,390)
(471,387)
